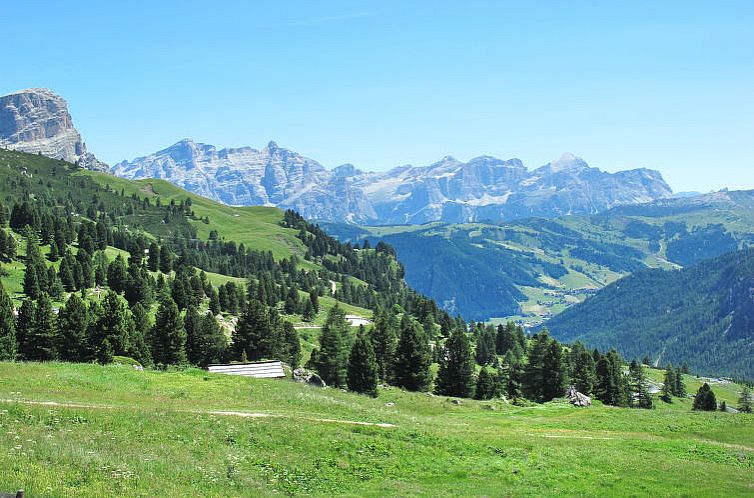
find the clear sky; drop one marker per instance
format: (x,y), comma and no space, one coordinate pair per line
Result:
(660,84)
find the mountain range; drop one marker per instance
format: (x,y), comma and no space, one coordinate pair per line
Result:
(483,189)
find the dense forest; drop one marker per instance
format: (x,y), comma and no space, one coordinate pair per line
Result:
(703,314)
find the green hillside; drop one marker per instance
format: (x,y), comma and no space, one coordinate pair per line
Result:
(530,270)
(256,226)
(120,432)
(702,315)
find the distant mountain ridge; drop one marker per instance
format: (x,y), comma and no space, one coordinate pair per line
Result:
(37,121)
(483,189)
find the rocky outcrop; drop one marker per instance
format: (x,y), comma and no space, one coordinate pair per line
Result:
(483,189)
(576,398)
(308,377)
(272,176)
(37,121)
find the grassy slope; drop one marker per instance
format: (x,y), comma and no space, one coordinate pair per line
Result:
(157,439)
(255,226)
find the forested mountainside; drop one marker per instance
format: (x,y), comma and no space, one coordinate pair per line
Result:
(533,269)
(98,266)
(703,315)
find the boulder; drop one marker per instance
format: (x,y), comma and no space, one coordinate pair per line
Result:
(576,398)
(308,377)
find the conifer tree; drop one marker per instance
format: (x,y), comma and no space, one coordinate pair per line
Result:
(191,323)
(456,374)
(8,340)
(308,313)
(705,399)
(254,332)
(745,402)
(485,385)
(41,341)
(582,369)
(668,386)
(680,386)
(362,366)
(292,350)
(639,387)
(334,347)
(384,337)
(413,357)
(73,323)
(168,335)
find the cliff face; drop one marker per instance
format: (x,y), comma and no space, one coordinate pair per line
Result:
(482,189)
(38,121)
(272,176)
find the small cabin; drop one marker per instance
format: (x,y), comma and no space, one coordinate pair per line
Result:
(355,320)
(256,369)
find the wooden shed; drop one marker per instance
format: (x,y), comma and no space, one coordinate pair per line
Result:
(257,369)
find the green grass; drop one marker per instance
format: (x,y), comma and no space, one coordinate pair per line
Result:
(150,434)
(256,227)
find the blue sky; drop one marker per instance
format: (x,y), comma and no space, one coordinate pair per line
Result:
(666,85)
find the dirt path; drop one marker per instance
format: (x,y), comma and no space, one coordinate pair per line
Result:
(220,413)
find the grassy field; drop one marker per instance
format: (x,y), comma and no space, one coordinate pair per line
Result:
(131,433)
(255,226)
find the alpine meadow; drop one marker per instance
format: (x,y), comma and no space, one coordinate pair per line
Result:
(357,312)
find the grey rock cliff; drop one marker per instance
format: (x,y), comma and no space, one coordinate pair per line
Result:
(37,121)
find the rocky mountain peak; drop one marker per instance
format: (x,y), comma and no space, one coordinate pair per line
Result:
(37,120)
(568,163)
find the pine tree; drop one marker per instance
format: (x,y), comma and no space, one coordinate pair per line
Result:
(705,399)
(745,402)
(168,335)
(292,350)
(362,366)
(485,385)
(413,357)
(544,377)
(141,336)
(668,386)
(456,374)
(583,373)
(213,340)
(639,387)
(384,337)
(680,386)
(8,340)
(191,323)
(41,340)
(308,313)
(254,335)
(334,347)
(73,322)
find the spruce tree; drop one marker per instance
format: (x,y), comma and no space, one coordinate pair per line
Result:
(745,402)
(680,386)
(254,333)
(705,399)
(668,385)
(213,340)
(582,369)
(8,340)
(191,323)
(334,347)
(485,385)
(73,322)
(292,353)
(384,337)
(41,340)
(362,366)
(456,374)
(413,357)
(168,335)
(639,387)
